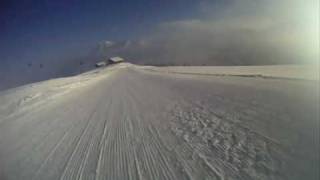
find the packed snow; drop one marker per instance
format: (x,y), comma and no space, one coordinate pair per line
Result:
(304,72)
(141,122)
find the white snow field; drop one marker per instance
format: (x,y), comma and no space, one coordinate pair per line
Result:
(129,122)
(304,72)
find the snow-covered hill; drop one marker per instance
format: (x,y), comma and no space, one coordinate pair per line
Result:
(130,122)
(302,72)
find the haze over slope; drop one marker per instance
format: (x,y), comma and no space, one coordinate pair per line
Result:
(243,33)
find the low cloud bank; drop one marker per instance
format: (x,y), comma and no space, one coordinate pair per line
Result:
(244,33)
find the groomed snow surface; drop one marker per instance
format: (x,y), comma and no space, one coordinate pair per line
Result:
(148,123)
(302,72)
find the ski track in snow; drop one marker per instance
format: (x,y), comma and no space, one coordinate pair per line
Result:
(125,122)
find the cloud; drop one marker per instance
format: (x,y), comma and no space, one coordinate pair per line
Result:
(237,33)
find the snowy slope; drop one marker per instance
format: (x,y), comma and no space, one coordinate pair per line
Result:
(127,122)
(304,72)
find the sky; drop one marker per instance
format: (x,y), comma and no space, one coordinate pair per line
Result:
(244,32)
(35,28)
(180,32)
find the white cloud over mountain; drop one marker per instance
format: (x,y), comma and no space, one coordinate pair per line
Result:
(244,33)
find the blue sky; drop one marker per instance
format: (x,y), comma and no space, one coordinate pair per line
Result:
(53,30)
(42,29)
